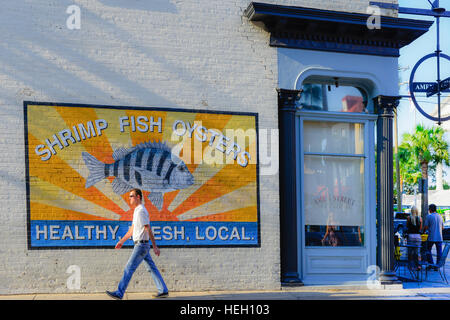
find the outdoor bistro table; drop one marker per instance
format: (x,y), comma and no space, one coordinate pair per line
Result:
(402,260)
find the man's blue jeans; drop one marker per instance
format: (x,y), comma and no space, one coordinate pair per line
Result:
(141,252)
(438,245)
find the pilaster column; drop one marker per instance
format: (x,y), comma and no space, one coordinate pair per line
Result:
(288,182)
(386,106)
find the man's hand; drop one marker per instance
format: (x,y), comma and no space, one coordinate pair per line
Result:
(125,238)
(119,245)
(152,239)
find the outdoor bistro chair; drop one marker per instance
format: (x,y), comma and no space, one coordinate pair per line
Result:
(441,264)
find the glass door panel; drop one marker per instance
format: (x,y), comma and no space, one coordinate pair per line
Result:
(333,183)
(334,201)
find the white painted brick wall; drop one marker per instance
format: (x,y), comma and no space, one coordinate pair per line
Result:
(197,54)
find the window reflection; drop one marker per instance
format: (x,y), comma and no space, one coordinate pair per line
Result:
(333,97)
(334,236)
(333,137)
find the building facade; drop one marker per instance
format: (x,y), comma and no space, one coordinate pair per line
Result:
(249,126)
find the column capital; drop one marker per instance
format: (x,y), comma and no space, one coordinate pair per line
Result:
(287,99)
(386,104)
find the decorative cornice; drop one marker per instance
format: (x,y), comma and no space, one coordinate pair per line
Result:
(308,28)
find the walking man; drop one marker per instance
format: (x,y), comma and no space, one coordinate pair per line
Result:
(141,232)
(434,225)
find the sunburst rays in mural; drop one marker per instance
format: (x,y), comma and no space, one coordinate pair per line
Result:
(222,191)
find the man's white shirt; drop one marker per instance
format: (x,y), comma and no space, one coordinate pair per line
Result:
(140,219)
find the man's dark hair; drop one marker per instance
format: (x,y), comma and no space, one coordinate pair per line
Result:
(432,207)
(137,192)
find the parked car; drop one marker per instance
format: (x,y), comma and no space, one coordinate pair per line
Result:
(446,232)
(400,222)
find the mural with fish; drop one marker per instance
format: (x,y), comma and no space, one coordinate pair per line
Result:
(198,171)
(147,166)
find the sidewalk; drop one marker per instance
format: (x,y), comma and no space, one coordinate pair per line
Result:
(431,288)
(305,293)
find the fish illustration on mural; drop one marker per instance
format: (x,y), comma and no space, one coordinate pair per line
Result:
(150,166)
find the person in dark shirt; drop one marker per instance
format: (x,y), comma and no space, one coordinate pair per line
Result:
(413,229)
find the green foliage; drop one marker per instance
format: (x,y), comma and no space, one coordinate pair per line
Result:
(445,185)
(418,150)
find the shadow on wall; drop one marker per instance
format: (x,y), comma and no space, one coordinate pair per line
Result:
(53,62)
(152,5)
(102,62)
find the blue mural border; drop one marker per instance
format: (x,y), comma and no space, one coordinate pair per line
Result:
(106,233)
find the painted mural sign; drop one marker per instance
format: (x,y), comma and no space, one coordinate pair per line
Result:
(198,171)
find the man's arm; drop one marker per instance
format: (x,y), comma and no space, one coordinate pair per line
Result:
(125,238)
(152,239)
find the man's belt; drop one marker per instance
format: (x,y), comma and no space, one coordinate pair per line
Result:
(140,241)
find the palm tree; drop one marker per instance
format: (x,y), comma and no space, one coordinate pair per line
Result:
(408,167)
(442,154)
(424,146)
